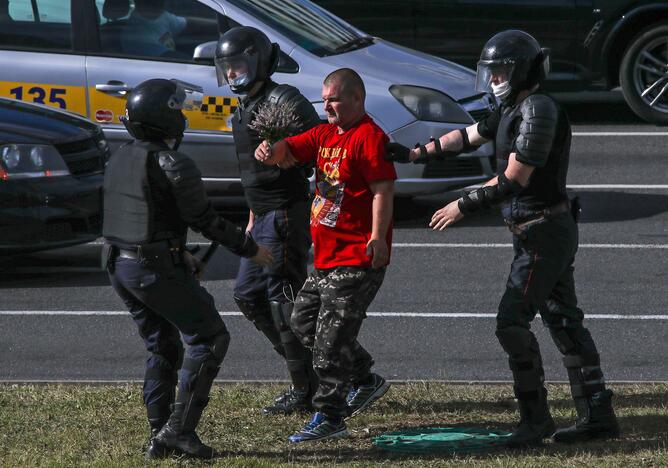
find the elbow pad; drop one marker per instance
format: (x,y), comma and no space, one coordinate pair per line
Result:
(485,197)
(232,237)
(467,147)
(438,154)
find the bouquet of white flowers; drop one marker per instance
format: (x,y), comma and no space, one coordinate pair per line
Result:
(274,121)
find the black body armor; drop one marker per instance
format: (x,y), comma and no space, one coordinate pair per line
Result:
(152,193)
(269,187)
(547,185)
(138,206)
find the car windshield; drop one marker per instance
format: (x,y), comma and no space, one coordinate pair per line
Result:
(309,26)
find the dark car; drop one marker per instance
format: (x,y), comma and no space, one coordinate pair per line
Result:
(594,44)
(51,170)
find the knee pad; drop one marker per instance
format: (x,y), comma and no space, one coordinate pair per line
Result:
(257,311)
(252,308)
(518,342)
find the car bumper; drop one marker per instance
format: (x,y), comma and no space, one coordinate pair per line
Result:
(40,214)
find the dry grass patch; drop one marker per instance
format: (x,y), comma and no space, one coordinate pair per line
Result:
(69,425)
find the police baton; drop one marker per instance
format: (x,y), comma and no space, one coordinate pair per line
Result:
(209,253)
(205,259)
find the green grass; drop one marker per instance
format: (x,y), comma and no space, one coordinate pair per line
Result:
(68,425)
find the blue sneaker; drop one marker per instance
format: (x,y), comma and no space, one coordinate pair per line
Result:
(319,428)
(360,398)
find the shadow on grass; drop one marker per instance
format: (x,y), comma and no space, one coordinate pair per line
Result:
(422,407)
(639,432)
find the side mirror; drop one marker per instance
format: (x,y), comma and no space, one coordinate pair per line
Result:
(204,53)
(286,64)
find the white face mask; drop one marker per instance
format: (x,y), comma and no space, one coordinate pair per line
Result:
(240,80)
(501,90)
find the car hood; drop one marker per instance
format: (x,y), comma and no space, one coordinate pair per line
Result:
(28,123)
(387,64)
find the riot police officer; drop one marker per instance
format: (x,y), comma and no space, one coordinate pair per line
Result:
(152,194)
(279,207)
(532,136)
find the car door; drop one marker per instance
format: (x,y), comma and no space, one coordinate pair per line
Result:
(42,58)
(123,54)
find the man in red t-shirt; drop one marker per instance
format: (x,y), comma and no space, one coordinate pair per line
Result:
(351,227)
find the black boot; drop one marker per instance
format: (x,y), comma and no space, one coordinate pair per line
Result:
(593,403)
(175,437)
(154,450)
(535,423)
(596,420)
(299,360)
(290,401)
(157,418)
(178,434)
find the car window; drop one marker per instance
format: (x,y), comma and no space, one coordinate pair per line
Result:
(159,29)
(35,24)
(309,26)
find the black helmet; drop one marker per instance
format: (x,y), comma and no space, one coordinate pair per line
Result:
(249,51)
(153,109)
(515,56)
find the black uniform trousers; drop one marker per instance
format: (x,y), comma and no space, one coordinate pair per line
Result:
(541,275)
(286,233)
(162,304)
(541,281)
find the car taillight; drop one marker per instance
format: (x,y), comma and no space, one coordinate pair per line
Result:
(29,161)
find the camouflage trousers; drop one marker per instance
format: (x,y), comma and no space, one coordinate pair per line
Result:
(327,317)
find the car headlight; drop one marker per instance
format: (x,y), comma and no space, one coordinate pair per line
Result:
(103,145)
(430,104)
(29,161)
(11,156)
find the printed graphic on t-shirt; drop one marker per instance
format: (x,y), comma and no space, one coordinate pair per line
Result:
(329,189)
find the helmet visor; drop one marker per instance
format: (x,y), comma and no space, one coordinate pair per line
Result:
(187,96)
(489,74)
(238,71)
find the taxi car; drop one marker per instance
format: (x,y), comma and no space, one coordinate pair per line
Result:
(51,171)
(86,55)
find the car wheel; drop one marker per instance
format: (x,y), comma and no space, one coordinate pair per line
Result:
(644,74)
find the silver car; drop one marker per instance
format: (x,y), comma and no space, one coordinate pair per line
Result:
(85,55)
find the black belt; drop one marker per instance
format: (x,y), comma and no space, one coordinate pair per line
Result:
(548,213)
(134,252)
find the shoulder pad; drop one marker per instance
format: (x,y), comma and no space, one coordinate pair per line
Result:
(284,93)
(537,129)
(177,166)
(290,95)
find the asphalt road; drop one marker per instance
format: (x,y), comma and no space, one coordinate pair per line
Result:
(433,318)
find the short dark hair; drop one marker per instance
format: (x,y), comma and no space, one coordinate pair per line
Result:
(349,79)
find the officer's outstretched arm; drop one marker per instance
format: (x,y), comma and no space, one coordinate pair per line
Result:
(195,208)
(463,140)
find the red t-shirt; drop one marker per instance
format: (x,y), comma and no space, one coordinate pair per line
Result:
(341,214)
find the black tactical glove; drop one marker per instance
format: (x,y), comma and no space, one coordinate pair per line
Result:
(396,152)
